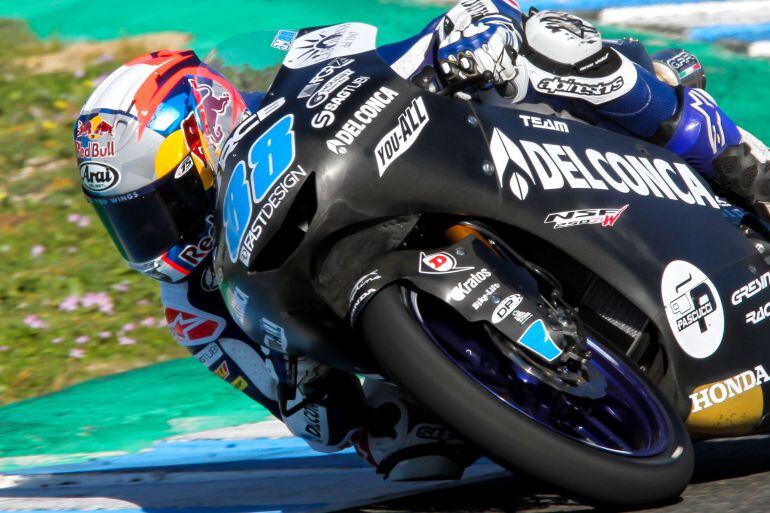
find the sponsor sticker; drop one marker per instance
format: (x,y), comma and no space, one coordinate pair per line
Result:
(717,393)
(193,328)
(554,167)
(539,341)
(758,316)
(98,177)
(693,309)
(275,336)
(606,217)
(267,178)
(94,128)
(240,383)
(360,120)
(238,302)
(482,299)
(440,263)
(209,354)
(209,280)
(751,289)
(328,43)
(283,40)
(544,124)
(461,290)
(506,307)
(223,371)
(186,165)
(406,132)
(211,105)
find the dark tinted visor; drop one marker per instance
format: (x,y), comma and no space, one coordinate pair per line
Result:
(146,223)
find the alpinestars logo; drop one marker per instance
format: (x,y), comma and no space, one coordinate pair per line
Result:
(192,329)
(440,263)
(714,128)
(554,85)
(462,289)
(559,21)
(606,217)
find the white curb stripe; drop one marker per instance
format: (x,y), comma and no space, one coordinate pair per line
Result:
(683,16)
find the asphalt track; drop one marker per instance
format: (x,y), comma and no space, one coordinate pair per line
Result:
(730,476)
(221,476)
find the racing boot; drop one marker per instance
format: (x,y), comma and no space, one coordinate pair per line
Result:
(328,408)
(403,444)
(733,159)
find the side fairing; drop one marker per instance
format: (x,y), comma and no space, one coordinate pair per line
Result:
(368,146)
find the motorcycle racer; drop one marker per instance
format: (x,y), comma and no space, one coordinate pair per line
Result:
(147,141)
(559,62)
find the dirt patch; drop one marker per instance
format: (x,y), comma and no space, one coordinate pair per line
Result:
(76,56)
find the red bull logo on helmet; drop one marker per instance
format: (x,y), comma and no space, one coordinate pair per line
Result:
(94,128)
(210,107)
(91,130)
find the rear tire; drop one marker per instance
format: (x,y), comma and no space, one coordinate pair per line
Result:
(412,359)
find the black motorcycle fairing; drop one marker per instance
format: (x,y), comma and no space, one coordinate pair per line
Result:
(451,170)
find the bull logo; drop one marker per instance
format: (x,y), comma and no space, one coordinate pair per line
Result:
(210,107)
(94,128)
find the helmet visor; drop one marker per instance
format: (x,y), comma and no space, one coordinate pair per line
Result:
(147,223)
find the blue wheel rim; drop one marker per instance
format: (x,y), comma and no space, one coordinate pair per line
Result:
(629,420)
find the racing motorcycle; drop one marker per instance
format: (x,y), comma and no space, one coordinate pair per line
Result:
(576,303)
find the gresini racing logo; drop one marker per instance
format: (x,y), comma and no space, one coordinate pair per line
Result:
(403,136)
(758,316)
(554,167)
(693,308)
(710,395)
(751,289)
(361,119)
(462,289)
(607,217)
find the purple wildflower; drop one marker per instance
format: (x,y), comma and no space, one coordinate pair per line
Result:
(70,304)
(149,322)
(100,300)
(77,353)
(128,327)
(83,339)
(120,287)
(126,341)
(35,322)
(4,349)
(104,335)
(37,250)
(57,340)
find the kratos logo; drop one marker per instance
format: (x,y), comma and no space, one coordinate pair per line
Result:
(440,263)
(462,289)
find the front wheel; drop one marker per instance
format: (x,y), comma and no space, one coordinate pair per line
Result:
(627,449)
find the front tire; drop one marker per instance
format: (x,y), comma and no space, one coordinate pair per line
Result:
(398,339)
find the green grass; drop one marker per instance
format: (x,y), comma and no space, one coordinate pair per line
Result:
(39,194)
